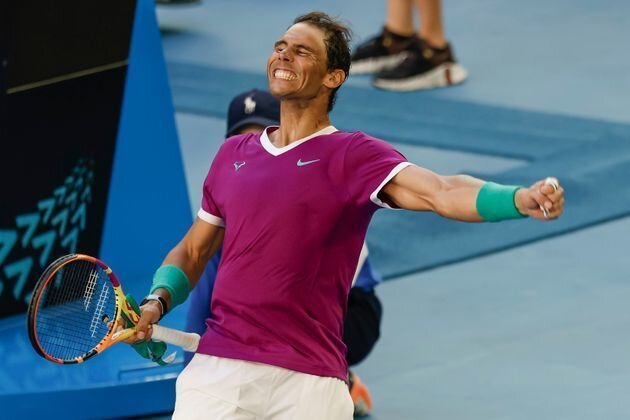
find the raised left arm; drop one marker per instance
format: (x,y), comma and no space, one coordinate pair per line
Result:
(457,197)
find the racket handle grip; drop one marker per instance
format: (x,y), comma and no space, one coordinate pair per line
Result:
(187,341)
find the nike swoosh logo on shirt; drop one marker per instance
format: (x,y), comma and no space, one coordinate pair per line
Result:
(308,162)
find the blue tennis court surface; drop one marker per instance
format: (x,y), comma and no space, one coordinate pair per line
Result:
(519,320)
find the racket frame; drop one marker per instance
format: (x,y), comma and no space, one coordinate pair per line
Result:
(187,341)
(113,334)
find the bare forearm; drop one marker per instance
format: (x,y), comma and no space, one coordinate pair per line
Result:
(419,189)
(180,271)
(457,200)
(190,262)
(191,255)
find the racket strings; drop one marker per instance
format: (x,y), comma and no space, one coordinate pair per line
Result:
(70,330)
(75,310)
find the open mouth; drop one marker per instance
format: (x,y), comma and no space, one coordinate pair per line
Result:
(284,74)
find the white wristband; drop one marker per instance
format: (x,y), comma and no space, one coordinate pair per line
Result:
(158,299)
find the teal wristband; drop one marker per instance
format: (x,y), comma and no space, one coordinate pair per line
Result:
(175,281)
(496,202)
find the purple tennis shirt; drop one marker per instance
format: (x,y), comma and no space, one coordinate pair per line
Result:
(295,219)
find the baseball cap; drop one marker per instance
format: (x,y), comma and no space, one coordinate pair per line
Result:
(252,107)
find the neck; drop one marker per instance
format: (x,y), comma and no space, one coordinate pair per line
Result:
(298,121)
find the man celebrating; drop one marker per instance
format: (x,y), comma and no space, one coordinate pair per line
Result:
(291,207)
(251,112)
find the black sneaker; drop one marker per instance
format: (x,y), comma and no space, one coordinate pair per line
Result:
(423,67)
(382,52)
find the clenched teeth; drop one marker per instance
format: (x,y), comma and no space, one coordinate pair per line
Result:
(284,75)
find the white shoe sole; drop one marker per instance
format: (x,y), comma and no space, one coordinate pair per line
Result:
(446,74)
(376,65)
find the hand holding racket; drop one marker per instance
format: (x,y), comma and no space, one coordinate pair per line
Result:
(75,312)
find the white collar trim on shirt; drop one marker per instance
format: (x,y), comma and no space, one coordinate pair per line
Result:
(277,151)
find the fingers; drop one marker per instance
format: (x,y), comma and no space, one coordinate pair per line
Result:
(550,197)
(549,186)
(150,315)
(542,205)
(557,210)
(552,181)
(545,211)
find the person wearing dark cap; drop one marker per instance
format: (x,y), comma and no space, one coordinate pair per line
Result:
(251,112)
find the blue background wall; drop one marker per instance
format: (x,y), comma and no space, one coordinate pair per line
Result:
(147,212)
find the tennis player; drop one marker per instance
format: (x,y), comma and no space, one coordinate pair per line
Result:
(291,207)
(251,112)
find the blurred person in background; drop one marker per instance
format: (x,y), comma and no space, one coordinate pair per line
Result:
(405,59)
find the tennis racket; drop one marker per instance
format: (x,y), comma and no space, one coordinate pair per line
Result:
(74,313)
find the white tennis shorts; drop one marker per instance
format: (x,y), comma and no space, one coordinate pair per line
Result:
(217,388)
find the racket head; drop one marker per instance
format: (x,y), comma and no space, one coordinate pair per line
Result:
(74,310)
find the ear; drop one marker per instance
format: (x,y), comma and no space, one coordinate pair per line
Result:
(334,78)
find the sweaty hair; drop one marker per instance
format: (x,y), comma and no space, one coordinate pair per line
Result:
(337,41)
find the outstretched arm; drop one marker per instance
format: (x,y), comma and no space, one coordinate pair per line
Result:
(458,197)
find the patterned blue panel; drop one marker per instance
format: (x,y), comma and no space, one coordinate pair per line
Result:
(52,229)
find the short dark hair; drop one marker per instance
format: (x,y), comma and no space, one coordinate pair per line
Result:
(337,43)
